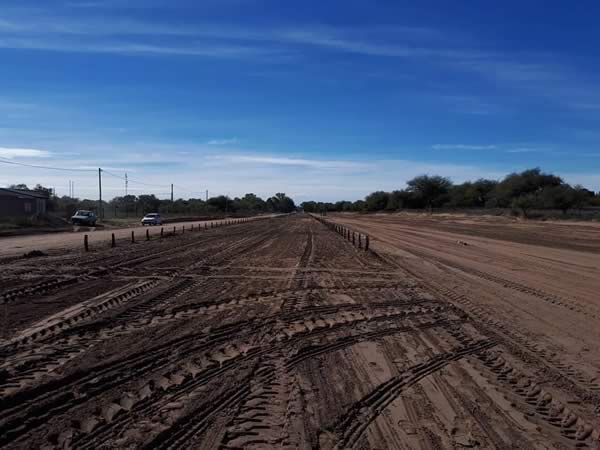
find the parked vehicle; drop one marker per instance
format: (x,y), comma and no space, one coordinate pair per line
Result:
(152,219)
(83,217)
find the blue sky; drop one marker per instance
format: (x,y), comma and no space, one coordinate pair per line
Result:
(322,100)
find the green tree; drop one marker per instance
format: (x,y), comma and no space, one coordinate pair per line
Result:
(432,190)
(516,185)
(281,203)
(359,205)
(471,194)
(148,203)
(251,202)
(20,186)
(219,203)
(562,197)
(377,201)
(310,207)
(526,202)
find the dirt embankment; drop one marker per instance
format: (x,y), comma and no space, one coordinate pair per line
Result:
(281,334)
(99,237)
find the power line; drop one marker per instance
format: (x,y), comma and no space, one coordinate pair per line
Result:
(127,179)
(134,181)
(6,161)
(112,174)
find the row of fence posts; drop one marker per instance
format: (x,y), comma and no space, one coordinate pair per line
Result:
(357,239)
(207,225)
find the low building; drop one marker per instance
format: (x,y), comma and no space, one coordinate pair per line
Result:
(22,203)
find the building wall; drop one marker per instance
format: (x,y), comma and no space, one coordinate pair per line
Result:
(21,207)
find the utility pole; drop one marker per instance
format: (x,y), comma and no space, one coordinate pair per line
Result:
(171,193)
(72,189)
(207,195)
(99,192)
(126,185)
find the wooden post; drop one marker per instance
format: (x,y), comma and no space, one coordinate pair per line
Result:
(183,229)
(353,238)
(147,234)
(162,231)
(132,237)
(206,226)
(367,243)
(85,243)
(174,230)
(359,241)
(113,243)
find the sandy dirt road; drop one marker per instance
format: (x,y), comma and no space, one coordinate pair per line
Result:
(281,334)
(98,237)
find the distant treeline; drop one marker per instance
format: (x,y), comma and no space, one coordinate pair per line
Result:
(524,191)
(134,205)
(221,204)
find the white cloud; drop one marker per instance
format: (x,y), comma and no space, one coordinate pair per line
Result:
(282,161)
(462,147)
(537,74)
(230,141)
(523,150)
(235,174)
(7,152)
(130,47)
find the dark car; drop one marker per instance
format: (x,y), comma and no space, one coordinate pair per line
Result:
(83,217)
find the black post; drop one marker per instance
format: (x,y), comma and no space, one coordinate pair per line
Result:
(100,214)
(359,241)
(367,243)
(353,238)
(113,243)
(85,243)
(132,237)
(147,234)
(162,231)
(174,230)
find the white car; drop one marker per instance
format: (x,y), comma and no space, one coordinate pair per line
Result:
(152,219)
